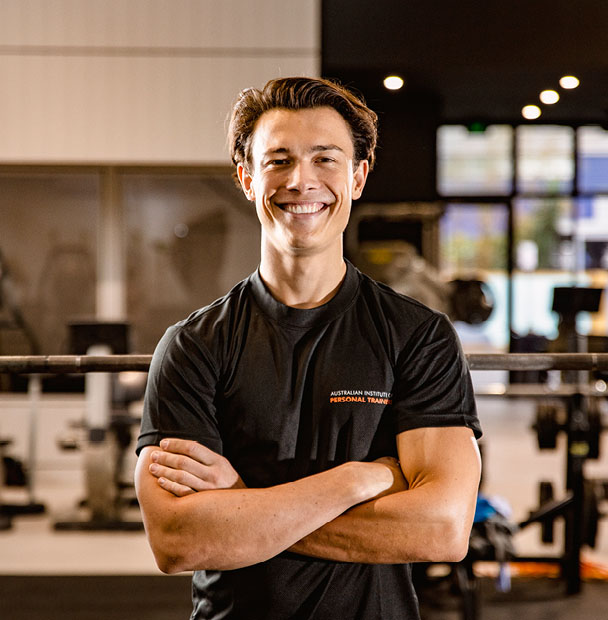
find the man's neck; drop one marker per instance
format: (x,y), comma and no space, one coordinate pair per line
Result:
(303,281)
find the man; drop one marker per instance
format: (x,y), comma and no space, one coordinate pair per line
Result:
(275,416)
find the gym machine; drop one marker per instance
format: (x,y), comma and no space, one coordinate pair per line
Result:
(17,474)
(575,410)
(105,435)
(579,417)
(398,244)
(576,426)
(13,470)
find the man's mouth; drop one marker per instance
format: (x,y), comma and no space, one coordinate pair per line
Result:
(299,208)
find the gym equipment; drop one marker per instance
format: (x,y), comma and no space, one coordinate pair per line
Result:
(5,519)
(471,301)
(547,425)
(594,492)
(25,364)
(579,417)
(577,428)
(552,417)
(568,301)
(31,506)
(59,364)
(106,433)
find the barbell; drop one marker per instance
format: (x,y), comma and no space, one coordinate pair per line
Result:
(59,364)
(62,364)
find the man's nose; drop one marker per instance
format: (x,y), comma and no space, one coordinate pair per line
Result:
(302,176)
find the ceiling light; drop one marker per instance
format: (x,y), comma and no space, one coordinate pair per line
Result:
(393,82)
(569,81)
(530,112)
(549,97)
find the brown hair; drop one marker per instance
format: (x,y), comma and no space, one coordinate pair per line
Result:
(297,93)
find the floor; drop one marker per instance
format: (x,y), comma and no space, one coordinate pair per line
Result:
(33,547)
(167,598)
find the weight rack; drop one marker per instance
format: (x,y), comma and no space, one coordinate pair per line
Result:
(572,508)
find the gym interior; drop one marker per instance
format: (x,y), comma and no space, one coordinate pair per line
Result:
(119,216)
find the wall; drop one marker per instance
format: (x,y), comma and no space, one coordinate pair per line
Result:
(139,80)
(96,85)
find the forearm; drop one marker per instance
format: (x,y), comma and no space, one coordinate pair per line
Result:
(405,527)
(231,528)
(430,521)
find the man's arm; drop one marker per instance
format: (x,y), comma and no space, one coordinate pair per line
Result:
(426,514)
(234,527)
(430,521)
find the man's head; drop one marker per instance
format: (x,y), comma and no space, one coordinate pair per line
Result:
(302,149)
(301,93)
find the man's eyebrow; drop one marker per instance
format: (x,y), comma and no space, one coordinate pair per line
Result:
(279,149)
(326,147)
(318,148)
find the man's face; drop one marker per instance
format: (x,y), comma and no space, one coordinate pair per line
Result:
(302,178)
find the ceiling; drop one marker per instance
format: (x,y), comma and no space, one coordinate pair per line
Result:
(476,60)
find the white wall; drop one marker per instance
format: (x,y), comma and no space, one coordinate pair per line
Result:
(144,81)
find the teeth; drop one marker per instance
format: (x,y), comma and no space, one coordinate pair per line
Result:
(310,207)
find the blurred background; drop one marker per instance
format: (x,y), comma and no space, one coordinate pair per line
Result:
(119,216)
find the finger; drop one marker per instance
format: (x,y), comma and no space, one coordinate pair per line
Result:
(179,490)
(179,477)
(190,448)
(181,462)
(387,460)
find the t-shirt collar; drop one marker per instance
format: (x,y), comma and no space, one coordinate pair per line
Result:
(298,317)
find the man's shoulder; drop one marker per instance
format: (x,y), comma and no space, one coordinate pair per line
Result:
(211,326)
(219,310)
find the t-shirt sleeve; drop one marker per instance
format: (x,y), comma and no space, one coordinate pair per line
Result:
(180,398)
(433,385)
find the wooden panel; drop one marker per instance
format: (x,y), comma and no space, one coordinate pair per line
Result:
(179,24)
(143,81)
(122,110)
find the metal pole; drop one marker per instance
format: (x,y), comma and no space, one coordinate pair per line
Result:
(59,364)
(34,389)
(577,449)
(77,364)
(538,361)
(111,279)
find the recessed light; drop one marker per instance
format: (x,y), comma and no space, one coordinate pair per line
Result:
(569,81)
(530,112)
(393,82)
(549,97)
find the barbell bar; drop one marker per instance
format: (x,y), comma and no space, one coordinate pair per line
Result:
(61,364)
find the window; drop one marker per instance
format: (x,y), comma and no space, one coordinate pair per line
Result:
(555,182)
(474,246)
(593,159)
(545,162)
(48,258)
(474,163)
(190,238)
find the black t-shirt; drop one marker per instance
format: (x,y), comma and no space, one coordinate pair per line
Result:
(285,393)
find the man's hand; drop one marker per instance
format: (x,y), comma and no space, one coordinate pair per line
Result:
(399,481)
(183,467)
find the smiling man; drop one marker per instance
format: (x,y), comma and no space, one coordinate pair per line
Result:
(310,434)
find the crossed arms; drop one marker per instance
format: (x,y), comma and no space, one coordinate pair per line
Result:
(198,513)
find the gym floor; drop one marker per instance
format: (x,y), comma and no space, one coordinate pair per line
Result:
(51,574)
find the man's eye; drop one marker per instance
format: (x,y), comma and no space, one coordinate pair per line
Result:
(278,162)
(325,160)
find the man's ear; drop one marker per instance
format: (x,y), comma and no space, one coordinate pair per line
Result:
(246,181)
(359,178)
